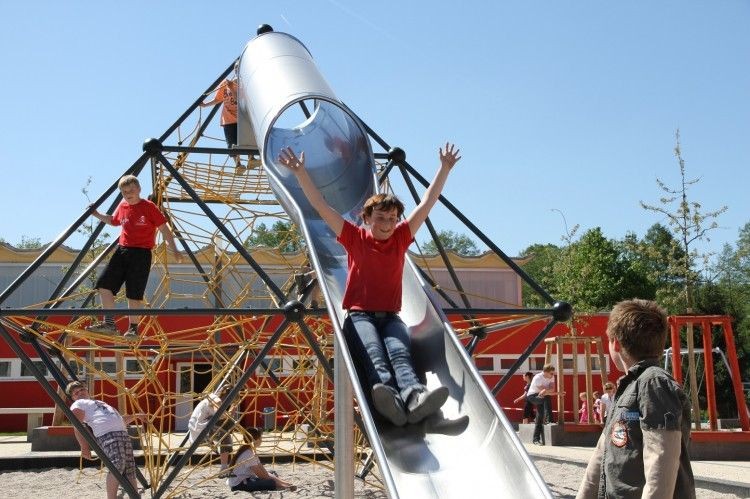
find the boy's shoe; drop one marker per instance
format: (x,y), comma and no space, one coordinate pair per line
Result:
(424,403)
(102,328)
(388,403)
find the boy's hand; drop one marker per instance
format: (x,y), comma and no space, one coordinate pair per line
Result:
(86,454)
(450,157)
(291,161)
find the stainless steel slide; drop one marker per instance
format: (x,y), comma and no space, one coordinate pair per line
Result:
(287,103)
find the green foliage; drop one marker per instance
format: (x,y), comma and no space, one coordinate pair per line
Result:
(460,244)
(100,243)
(282,235)
(688,224)
(29,243)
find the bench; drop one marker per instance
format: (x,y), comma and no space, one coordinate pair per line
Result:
(34,416)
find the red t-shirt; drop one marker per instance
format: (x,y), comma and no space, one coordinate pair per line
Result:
(373,282)
(139,223)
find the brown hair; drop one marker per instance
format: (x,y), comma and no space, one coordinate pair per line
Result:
(640,326)
(609,385)
(548,368)
(72,386)
(383,202)
(255,434)
(128,180)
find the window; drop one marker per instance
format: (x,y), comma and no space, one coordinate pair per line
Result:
(5,366)
(273,365)
(132,366)
(536,363)
(507,362)
(25,372)
(485,363)
(108,366)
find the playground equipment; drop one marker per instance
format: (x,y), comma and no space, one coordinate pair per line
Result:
(706,324)
(245,314)
(593,358)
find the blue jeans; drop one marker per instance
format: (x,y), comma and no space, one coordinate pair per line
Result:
(543,406)
(379,344)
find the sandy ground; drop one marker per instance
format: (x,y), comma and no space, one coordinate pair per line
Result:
(312,482)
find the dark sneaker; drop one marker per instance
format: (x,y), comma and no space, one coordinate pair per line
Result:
(102,328)
(388,403)
(424,403)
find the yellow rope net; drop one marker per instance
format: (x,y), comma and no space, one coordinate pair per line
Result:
(177,360)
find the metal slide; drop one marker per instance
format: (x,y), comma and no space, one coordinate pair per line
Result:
(287,103)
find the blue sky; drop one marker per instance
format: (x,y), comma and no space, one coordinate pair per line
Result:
(556,105)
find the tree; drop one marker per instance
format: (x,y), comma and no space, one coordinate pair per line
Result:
(87,229)
(540,265)
(460,244)
(30,243)
(283,235)
(688,225)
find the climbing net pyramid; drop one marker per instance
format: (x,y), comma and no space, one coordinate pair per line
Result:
(219,318)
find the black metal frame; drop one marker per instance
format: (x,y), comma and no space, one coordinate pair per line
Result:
(292,310)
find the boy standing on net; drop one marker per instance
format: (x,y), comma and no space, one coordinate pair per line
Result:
(131,261)
(378,338)
(643,450)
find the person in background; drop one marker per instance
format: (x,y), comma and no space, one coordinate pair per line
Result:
(248,473)
(528,407)
(222,433)
(540,394)
(605,402)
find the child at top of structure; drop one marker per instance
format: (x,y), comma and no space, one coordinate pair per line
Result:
(643,450)
(528,407)
(130,263)
(226,94)
(248,473)
(110,431)
(377,337)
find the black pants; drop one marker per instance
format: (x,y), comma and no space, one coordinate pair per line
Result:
(255,485)
(543,406)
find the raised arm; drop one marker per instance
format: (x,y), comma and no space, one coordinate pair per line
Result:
(331,217)
(447,159)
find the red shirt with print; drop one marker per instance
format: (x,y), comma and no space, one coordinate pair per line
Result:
(373,282)
(139,223)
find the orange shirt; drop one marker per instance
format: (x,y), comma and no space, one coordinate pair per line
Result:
(226,93)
